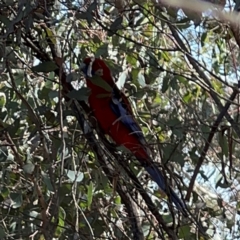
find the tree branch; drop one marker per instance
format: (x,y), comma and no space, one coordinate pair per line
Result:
(208,142)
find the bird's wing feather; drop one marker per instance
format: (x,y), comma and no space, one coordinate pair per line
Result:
(121,107)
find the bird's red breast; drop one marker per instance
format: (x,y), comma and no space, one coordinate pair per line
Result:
(100,102)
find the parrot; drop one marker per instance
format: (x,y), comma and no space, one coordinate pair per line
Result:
(115,116)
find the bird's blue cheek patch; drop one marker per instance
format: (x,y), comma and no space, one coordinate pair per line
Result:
(87,73)
(92,73)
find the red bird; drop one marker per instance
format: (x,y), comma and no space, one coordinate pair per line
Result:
(114,114)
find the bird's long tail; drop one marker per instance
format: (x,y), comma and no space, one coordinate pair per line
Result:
(157,176)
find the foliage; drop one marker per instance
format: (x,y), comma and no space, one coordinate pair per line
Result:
(61,178)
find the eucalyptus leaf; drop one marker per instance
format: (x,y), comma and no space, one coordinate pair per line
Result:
(82,94)
(16,200)
(165,84)
(89,195)
(102,50)
(153,59)
(141,79)
(3,100)
(48,182)
(46,67)
(73,76)
(2,233)
(98,81)
(122,79)
(74,176)
(184,231)
(28,168)
(61,222)
(116,25)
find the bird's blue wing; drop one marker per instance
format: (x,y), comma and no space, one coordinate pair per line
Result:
(120,108)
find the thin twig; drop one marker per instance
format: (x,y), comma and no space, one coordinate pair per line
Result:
(208,142)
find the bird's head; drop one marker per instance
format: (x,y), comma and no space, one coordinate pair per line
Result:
(95,67)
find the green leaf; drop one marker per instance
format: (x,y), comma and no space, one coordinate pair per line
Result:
(165,84)
(174,84)
(51,35)
(10,157)
(140,94)
(89,195)
(5,20)
(16,200)
(45,67)
(217,85)
(153,60)
(82,94)
(238,206)
(146,228)
(2,99)
(184,232)
(203,38)
(122,79)
(166,56)
(116,25)
(74,176)
(88,15)
(174,122)
(73,76)
(141,79)
(4,192)
(187,97)
(3,154)
(181,79)
(19,76)
(102,51)
(171,153)
(237,5)
(61,223)
(98,81)
(92,6)
(132,59)
(53,95)
(2,233)
(178,158)
(48,182)
(205,131)
(50,116)
(117,200)
(115,40)
(28,168)
(99,228)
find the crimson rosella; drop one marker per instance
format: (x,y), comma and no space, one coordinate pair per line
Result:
(114,114)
